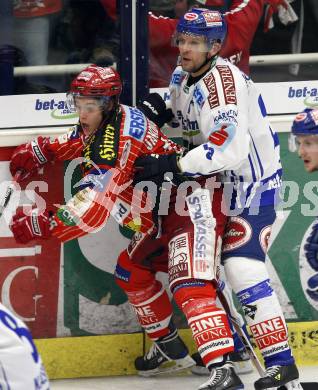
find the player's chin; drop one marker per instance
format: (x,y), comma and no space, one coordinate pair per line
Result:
(187,65)
(310,167)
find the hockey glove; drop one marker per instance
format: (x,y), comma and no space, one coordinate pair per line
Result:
(154,168)
(311,248)
(30,227)
(155,109)
(29,157)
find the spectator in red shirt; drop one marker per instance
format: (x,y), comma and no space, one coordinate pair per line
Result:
(242,20)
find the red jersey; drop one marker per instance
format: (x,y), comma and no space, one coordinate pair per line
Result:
(31,8)
(242,21)
(107,162)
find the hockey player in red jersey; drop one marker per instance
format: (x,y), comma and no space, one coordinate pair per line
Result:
(109,138)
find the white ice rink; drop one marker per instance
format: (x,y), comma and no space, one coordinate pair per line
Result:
(176,382)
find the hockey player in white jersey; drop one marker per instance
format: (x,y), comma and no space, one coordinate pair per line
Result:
(21,366)
(224,126)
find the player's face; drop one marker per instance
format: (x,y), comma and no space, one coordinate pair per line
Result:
(90,114)
(193,53)
(308,151)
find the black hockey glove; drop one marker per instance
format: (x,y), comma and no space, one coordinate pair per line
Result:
(155,109)
(154,168)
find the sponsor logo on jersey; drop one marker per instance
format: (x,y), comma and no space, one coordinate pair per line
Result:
(213,97)
(109,145)
(229,116)
(237,233)
(87,153)
(151,137)
(179,258)
(102,148)
(199,96)
(146,316)
(275,182)
(264,237)
(270,332)
(218,137)
(227,83)
(135,123)
(211,332)
(177,78)
(120,211)
(190,128)
(222,136)
(199,205)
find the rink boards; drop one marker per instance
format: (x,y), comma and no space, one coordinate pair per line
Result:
(66,294)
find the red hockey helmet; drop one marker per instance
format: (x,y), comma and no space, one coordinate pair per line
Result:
(102,84)
(96,81)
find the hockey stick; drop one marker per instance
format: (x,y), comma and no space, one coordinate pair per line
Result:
(10,189)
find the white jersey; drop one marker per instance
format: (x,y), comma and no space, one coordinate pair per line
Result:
(21,366)
(223,122)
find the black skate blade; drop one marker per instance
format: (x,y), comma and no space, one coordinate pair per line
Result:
(305,386)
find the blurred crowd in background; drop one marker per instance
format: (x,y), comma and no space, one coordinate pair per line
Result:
(44,32)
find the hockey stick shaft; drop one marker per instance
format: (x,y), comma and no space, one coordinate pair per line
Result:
(10,189)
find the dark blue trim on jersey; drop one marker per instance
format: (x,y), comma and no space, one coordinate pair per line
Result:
(252,167)
(258,158)
(275,137)
(262,106)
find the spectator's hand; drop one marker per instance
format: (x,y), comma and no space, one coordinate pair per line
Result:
(155,167)
(29,157)
(272,7)
(155,109)
(30,227)
(274,4)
